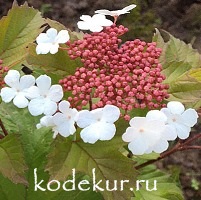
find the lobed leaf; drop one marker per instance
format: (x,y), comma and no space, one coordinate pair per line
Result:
(12,163)
(166,187)
(19,28)
(104,157)
(180,62)
(52,63)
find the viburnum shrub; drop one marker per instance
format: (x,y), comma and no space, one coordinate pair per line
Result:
(90,103)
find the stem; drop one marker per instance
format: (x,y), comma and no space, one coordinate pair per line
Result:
(190,147)
(74,137)
(178,147)
(3,128)
(195,137)
(63,48)
(1,136)
(90,103)
(115,18)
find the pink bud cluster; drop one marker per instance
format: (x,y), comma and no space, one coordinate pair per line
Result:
(3,71)
(128,76)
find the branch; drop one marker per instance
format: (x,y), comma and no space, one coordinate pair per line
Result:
(1,136)
(3,128)
(180,146)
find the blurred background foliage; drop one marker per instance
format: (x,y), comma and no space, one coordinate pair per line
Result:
(182,18)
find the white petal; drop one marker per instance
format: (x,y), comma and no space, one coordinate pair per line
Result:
(12,78)
(55,93)
(50,107)
(43,38)
(130,7)
(106,130)
(59,118)
(155,126)
(101,20)
(47,121)
(84,119)
(95,28)
(97,114)
(7,94)
(64,106)
(190,117)
(43,48)
(175,107)
(130,134)
(169,132)
(83,25)
(26,81)
(89,134)
(54,48)
(137,121)
(32,92)
(62,37)
(167,112)
(43,82)
(67,128)
(36,106)
(110,113)
(20,101)
(182,131)
(156,115)
(51,33)
(161,146)
(138,146)
(104,12)
(85,18)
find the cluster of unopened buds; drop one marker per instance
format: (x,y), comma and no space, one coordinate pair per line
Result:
(119,77)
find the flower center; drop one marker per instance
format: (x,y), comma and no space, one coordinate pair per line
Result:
(174,119)
(141,130)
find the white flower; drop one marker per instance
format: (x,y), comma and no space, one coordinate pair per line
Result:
(180,119)
(116,12)
(44,97)
(17,88)
(62,122)
(65,119)
(49,41)
(47,121)
(98,123)
(148,134)
(94,23)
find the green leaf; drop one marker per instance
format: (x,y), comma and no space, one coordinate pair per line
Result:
(12,163)
(103,157)
(59,62)
(36,145)
(187,90)
(179,60)
(19,28)
(175,50)
(166,187)
(9,190)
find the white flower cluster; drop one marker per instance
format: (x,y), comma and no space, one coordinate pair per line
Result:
(43,98)
(49,42)
(152,133)
(98,21)
(145,134)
